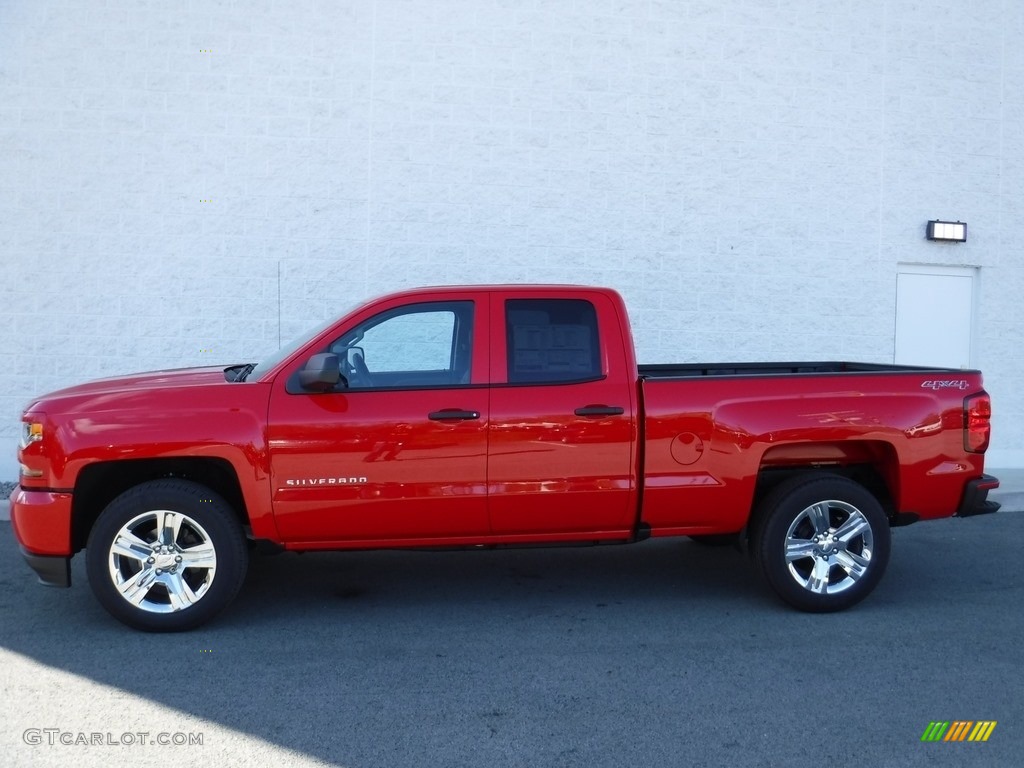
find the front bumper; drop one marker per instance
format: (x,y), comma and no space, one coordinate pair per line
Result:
(975,499)
(52,570)
(42,525)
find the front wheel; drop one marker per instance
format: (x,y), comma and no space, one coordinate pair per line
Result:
(166,556)
(822,542)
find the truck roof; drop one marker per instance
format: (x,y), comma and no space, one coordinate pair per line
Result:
(502,287)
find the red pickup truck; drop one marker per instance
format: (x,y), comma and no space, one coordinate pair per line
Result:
(488,416)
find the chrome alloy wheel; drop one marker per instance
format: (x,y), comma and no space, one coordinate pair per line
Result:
(162,561)
(829,547)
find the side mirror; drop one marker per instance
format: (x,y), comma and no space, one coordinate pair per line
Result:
(321,373)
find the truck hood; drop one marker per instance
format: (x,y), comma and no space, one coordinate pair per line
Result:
(136,383)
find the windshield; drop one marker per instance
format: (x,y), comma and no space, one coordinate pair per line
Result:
(275,358)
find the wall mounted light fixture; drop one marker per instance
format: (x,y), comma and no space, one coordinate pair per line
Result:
(949,231)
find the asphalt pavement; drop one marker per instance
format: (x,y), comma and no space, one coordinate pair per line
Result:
(660,653)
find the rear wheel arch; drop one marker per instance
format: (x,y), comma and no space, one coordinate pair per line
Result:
(880,479)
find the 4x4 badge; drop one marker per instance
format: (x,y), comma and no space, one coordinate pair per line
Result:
(945,384)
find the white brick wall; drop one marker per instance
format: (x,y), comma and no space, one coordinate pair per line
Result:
(749,174)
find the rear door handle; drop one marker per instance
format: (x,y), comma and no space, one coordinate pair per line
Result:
(600,410)
(453,414)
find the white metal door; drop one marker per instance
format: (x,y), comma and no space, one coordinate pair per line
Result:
(934,315)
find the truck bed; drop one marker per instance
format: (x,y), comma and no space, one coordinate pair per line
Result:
(691,370)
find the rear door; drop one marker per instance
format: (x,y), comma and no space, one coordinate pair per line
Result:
(401,453)
(562,424)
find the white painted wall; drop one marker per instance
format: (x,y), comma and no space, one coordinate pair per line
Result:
(749,174)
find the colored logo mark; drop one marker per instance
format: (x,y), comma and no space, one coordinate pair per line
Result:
(959,730)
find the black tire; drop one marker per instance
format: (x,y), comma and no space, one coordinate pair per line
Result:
(145,585)
(822,542)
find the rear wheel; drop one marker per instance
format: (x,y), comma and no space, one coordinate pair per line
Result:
(166,556)
(822,542)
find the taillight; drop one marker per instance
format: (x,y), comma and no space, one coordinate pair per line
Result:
(977,422)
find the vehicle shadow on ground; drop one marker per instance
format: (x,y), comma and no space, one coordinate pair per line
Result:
(389,658)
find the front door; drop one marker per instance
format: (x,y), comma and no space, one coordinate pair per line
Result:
(400,454)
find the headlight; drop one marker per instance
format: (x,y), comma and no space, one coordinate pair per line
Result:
(31,432)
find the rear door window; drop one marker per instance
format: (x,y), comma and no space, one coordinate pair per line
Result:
(551,341)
